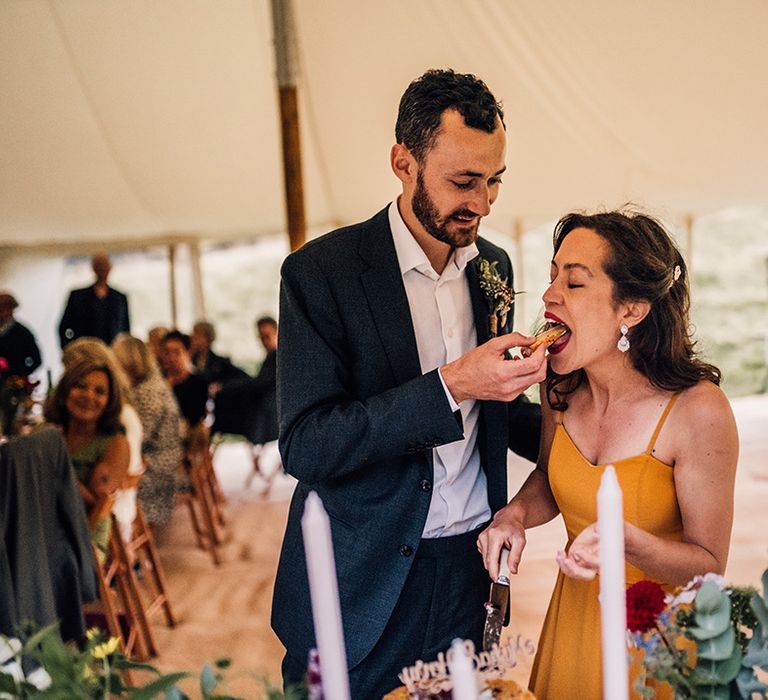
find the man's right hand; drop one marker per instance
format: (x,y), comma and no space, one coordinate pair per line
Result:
(484,373)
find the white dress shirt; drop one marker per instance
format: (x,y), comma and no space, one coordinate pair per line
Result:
(441,310)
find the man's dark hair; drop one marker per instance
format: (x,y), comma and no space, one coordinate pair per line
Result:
(178,336)
(426,98)
(266,321)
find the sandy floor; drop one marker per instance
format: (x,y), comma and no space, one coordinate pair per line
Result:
(224,611)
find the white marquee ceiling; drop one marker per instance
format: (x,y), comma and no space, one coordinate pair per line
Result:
(130,121)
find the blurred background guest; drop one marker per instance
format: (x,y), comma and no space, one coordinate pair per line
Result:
(215,369)
(155,342)
(17,343)
(124,503)
(159,414)
(190,389)
(87,404)
(249,407)
(98,311)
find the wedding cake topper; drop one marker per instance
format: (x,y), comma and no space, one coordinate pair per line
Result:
(434,676)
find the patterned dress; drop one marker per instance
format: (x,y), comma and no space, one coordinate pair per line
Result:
(162,448)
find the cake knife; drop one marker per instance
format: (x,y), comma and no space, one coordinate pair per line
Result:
(497,607)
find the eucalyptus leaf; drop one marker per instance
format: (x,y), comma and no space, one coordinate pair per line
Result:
(713,692)
(757,655)
(712,624)
(729,668)
(761,613)
(207,679)
(717,648)
(748,683)
(709,598)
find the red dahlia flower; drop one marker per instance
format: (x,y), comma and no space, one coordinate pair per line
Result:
(645,600)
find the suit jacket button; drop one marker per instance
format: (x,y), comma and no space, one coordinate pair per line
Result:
(425,485)
(406,550)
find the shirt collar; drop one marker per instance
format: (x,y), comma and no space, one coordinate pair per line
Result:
(410,255)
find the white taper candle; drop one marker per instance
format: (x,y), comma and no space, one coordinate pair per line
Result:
(324,589)
(462,671)
(613,606)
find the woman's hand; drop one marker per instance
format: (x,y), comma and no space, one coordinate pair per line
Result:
(582,561)
(506,530)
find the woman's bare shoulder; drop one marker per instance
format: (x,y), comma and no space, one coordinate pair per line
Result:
(703,402)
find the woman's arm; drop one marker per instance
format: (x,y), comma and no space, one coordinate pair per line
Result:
(108,474)
(705,448)
(533,505)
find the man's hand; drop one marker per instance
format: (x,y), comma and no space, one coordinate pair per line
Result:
(484,373)
(506,531)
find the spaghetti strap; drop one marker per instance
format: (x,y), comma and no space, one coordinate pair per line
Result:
(661,422)
(558,415)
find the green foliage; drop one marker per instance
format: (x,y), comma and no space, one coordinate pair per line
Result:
(730,629)
(96,671)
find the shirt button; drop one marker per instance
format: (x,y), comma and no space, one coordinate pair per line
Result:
(425,485)
(406,550)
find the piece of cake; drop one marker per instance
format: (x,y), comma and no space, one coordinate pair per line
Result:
(496,689)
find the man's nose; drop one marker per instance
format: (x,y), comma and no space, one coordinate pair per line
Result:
(481,202)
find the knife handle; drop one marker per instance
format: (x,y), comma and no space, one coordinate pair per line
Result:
(504,563)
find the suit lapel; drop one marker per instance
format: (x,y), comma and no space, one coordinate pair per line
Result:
(479,304)
(387,300)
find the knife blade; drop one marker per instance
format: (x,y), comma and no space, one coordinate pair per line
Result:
(498,604)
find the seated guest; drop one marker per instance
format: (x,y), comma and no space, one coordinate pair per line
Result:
(190,390)
(159,416)
(86,404)
(155,342)
(249,407)
(17,344)
(215,369)
(124,506)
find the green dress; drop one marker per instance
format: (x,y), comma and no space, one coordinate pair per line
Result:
(83,461)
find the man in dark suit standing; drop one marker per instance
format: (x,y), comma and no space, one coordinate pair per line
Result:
(98,311)
(396,406)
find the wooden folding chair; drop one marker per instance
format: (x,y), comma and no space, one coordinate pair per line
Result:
(200,493)
(141,548)
(121,604)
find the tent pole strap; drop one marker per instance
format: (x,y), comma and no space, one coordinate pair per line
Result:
(172,268)
(519,269)
(197,281)
(689,249)
(286,62)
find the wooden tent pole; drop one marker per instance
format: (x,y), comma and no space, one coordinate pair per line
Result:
(172,267)
(520,305)
(286,62)
(689,248)
(198,298)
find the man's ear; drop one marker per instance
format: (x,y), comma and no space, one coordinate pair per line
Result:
(403,163)
(634,312)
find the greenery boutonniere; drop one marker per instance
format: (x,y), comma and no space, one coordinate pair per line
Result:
(498,294)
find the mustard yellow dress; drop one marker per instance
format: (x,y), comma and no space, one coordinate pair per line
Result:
(568,659)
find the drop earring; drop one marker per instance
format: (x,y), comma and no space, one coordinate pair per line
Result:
(623,343)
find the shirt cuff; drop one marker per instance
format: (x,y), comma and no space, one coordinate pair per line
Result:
(454,405)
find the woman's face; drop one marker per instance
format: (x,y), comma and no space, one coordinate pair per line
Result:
(88,397)
(580,296)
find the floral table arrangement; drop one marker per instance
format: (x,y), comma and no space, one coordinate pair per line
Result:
(40,665)
(710,640)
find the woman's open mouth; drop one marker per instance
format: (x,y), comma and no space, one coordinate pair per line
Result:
(555,334)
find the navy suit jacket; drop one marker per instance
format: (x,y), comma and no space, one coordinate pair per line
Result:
(358,421)
(87,315)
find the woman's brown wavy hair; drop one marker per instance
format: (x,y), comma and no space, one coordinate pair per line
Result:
(56,406)
(641,263)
